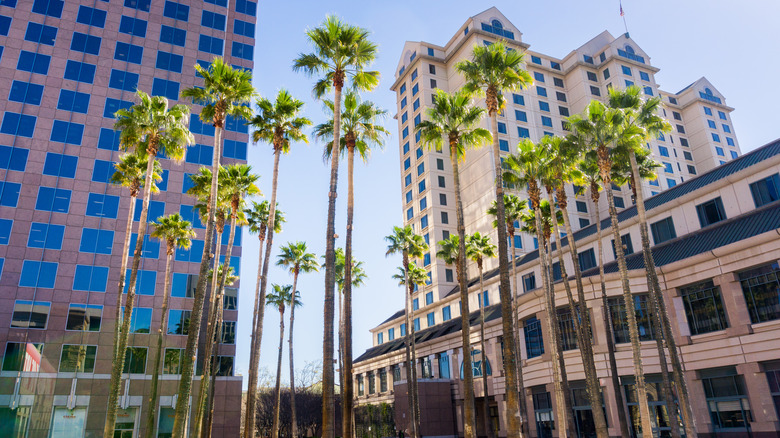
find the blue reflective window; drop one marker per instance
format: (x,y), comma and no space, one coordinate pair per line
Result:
(132,26)
(90,278)
(200,154)
(51,199)
(80,71)
(171,35)
(244,28)
(38,274)
(82,42)
(108,139)
(145,282)
(421,186)
(40,33)
(141,5)
(163,184)
(546,121)
(176,11)
(715,137)
(544,106)
(100,205)
(211,45)
(47,236)
(626,70)
(226,237)
(169,61)
(194,254)
(523,132)
(60,165)
(644,76)
(129,53)
(123,80)
(235,263)
(6,225)
(213,20)
(91,16)
(415,89)
(503,145)
(141,319)
(234,149)
(114,105)
(13,158)
(150,248)
(246,7)
(502,128)
(192,215)
(164,87)
(33,62)
(521,116)
(26,93)
(663,151)
(518,99)
(67,132)
(9,194)
(156,209)
(18,124)
(236,125)
(722,115)
(52,8)
(198,127)
(73,101)
(5,25)
(541,91)
(243,51)
(96,241)
(416,104)
(102,171)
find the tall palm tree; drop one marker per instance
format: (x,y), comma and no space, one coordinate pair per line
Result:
(478,247)
(494,69)
(525,168)
(561,170)
(411,246)
(359,133)
(454,117)
(226,92)
(644,115)
(281,297)
(277,123)
(514,208)
(131,173)
(297,260)
(176,233)
(236,183)
(341,52)
(152,125)
(590,173)
(599,127)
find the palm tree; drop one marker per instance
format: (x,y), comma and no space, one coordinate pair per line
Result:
(526,169)
(295,258)
(643,115)
(176,233)
(341,52)
(494,69)
(360,133)
(226,92)
(411,246)
(478,247)
(590,173)
(561,170)
(149,125)
(281,297)
(278,123)
(453,117)
(514,208)
(236,183)
(599,128)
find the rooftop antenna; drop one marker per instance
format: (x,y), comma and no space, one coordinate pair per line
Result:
(623,14)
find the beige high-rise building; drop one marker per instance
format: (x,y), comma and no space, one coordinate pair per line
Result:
(714,217)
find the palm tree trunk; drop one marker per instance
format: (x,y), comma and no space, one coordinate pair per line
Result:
(347,390)
(552,328)
(661,315)
(211,326)
(513,418)
(328,408)
(518,368)
(277,388)
(607,317)
(342,376)
(253,358)
(293,416)
(209,411)
(249,429)
(469,420)
(123,268)
(153,399)
(410,363)
(415,387)
(188,362)
(486,403)
(121,348)
(582,322)
(628,301)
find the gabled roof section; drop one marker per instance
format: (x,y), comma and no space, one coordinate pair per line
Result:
(486,19)
(702,84)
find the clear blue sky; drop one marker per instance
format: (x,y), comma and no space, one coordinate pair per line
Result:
(731,43)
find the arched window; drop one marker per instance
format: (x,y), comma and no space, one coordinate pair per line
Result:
(629,49)
(497,24)
(476,365)
(708,92)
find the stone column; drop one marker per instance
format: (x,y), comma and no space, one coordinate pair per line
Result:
(734,304)
(762,406)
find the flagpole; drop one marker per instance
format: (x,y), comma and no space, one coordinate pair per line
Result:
(622,14)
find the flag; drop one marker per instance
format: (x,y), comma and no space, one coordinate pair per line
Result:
(621,10)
